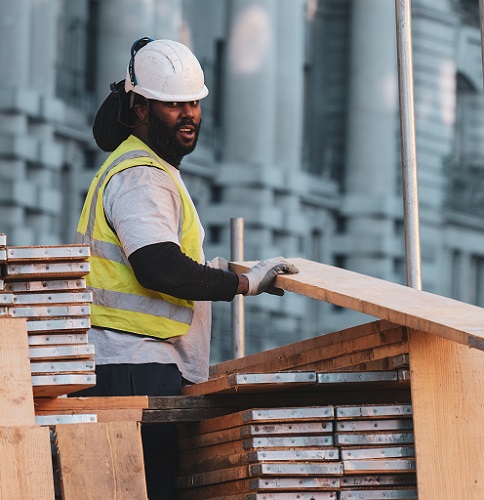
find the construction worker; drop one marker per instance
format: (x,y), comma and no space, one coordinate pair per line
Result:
(152,290)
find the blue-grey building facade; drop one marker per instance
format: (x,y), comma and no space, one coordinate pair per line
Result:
(300,136)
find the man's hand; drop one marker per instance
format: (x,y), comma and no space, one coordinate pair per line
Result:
(262,275)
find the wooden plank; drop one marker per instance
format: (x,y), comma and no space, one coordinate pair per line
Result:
(101,460)
(86,404)
(246,431)
(229,384)
(447,383)
(16,401)
(26,466)
(303,353)
(424,311)
(276,485)
(235,383)
(260,416)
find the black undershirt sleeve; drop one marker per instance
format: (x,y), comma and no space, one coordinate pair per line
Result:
(163,267)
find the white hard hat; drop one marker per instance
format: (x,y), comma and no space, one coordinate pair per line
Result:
(165,70)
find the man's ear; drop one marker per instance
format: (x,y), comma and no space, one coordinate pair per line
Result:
(141,111)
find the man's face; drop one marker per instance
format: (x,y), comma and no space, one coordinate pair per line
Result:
(174,128)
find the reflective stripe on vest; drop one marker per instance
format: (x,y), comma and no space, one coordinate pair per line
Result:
(120,302)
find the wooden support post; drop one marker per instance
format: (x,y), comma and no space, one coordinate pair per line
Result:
(25,450)
(447,385)
(103,460)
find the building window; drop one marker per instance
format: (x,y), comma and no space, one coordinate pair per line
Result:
(477,271)
(215,234)
(76,60)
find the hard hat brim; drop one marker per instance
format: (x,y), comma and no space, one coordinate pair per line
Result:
(158,96)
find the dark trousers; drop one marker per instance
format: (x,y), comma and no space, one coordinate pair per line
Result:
(159,440)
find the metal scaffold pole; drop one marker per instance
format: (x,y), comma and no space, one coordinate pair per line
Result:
(408,143)
(237,304)
(481,22)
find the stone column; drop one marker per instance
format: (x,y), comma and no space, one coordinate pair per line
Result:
(373,99)
(123,22)
(249,119)
(14,43)
(290,84)
(373,154)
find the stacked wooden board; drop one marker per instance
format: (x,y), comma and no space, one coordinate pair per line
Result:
(317,452)
(46,286)
(68,457)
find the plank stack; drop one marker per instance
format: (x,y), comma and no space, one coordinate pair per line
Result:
(46,286)
(319,453)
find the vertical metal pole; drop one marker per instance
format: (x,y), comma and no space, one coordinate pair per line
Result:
(481,20)
(409,151)
(237,304)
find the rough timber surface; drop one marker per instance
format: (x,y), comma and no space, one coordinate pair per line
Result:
(26,465)
(101,460)
(427,312)
(16,401)
(447,384)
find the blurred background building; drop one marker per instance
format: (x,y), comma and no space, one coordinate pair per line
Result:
(300,135)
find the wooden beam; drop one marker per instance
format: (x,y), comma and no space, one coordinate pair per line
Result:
(424,311)
(16,401)
(300,354)
(101,460)
(447,385)
(26,465)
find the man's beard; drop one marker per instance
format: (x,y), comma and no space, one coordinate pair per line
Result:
(163,139)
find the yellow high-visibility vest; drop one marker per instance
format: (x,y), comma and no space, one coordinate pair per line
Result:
(119,300)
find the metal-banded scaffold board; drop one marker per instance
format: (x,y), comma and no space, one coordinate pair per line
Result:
(282,414)
(379,480)
(378,466)
(50,420)
(355,439)
(377,452)
(256,382)
(394,494)
(283,431)
(53,298)
(374,425)
(269,416)
(3,255)
(58,339)
(52,386)
(4,312)
(373,411)
(55,325)
(270,488)
(295,428)
(61,366)
(313,495)
(2,285)
(66,351)
(273,378)
(20,287)
(267,470)
(297,469)
(310,455)
(3,240)
(71,379)
(287,442)
(50,311)
(50,253)
(50,270)
(6,299)
(295,484)
(356,377)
